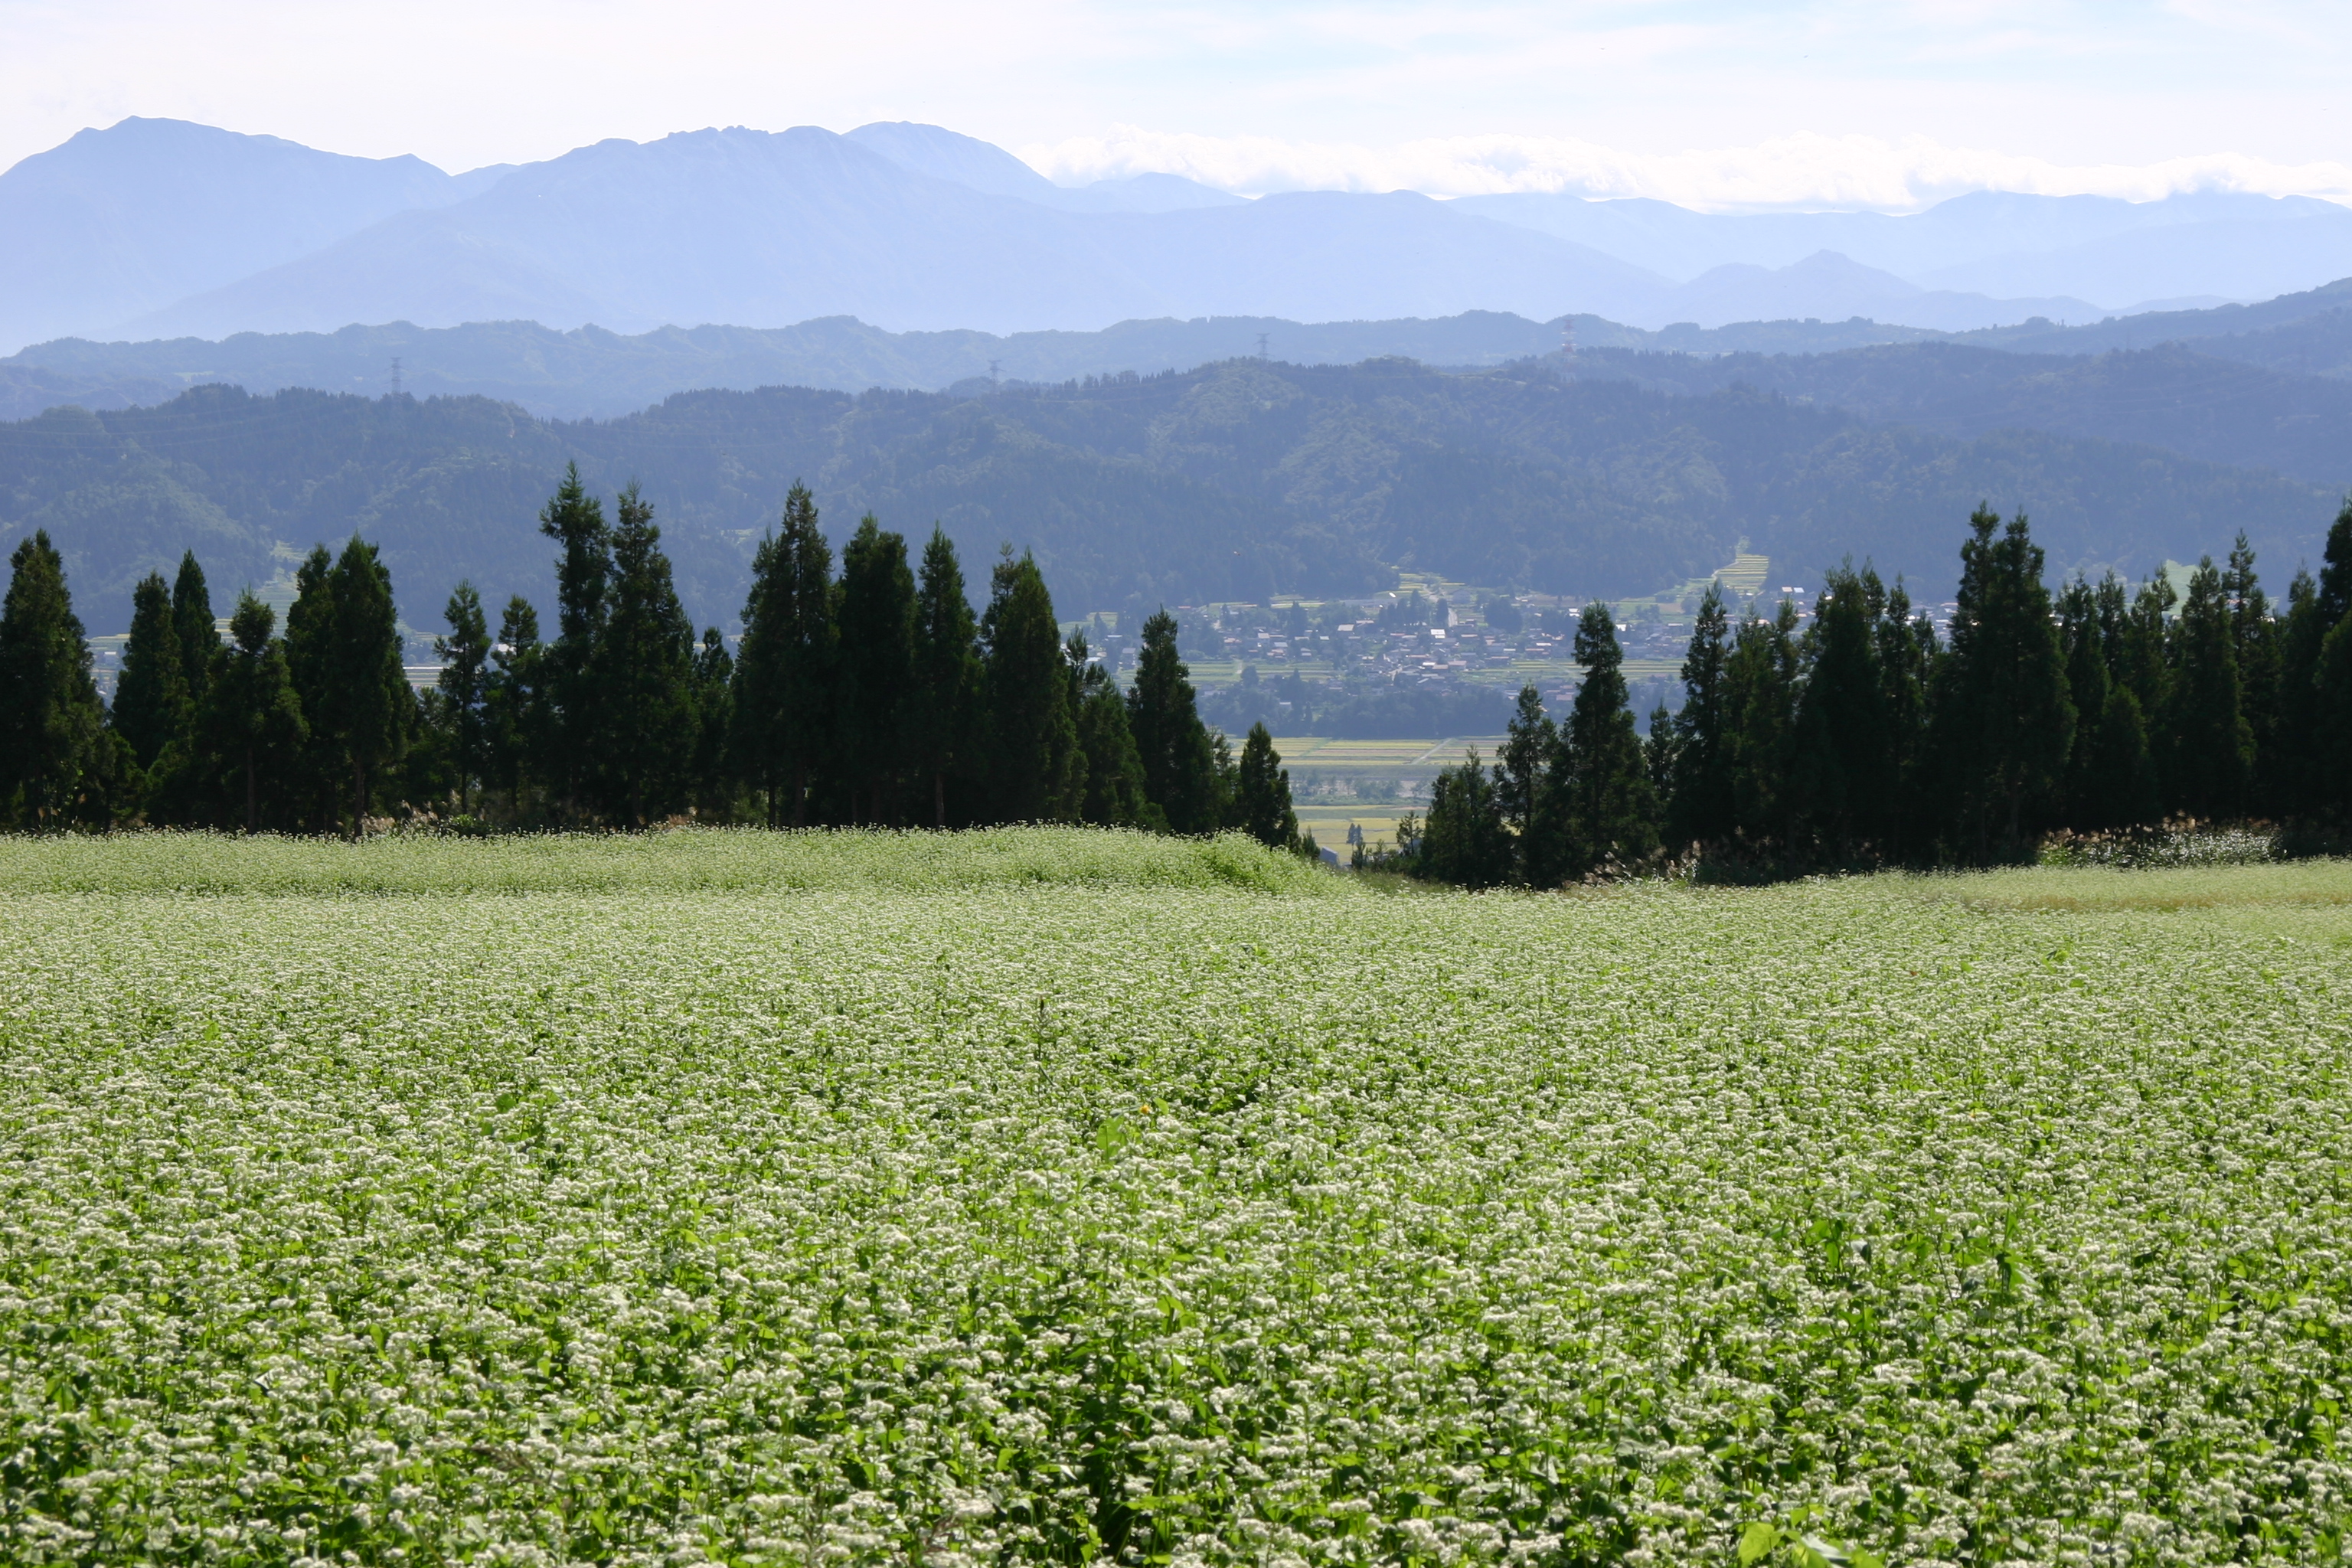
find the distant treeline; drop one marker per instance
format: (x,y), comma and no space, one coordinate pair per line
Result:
(874,698)
(1860,739)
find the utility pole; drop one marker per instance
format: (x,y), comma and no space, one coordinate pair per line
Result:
(396,375)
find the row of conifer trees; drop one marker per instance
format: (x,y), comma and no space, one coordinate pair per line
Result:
(1861,739)
(873,697)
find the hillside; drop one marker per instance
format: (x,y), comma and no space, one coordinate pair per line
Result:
(1235,480)
(2172,396)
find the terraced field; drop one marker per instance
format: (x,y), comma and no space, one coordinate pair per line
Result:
(1051,1197)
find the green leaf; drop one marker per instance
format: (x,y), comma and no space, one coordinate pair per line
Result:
(1756,1540)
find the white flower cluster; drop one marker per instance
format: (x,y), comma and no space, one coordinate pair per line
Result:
(1049,1221)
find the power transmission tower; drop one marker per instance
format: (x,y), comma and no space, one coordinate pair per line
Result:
(991,373)
(1261,345)
(1568,343)
(396,375)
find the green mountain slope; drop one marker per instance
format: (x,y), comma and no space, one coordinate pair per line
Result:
(1234,480)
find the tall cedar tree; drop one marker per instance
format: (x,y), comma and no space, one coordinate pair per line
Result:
(1844,767)
(465,687)
(2331,679)
(1759,728)
(1180,768)
(1703,809)
(2110,777)
(368,707)
(192,614)
(876,618)
(1462,839)
(947,671)
(1611,816)
(252,728)
(310,648)
(1521,780)
(1114,772)
(1907,666)
(2004,719)
(714,685)
(784,710)
(1262,806)
(2210,745)
(583,578)
(2254,631)
(2143,663)
(57,756)
(152,708)
(516,706)
(1037,771)
(643,674)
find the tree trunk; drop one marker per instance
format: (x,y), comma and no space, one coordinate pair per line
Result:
(799,797)
(252,812)
(939,797)
(358,797)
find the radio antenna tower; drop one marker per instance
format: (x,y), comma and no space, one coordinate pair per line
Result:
(396,375)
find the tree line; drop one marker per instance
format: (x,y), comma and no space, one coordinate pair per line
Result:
(1861,739)
(873,697)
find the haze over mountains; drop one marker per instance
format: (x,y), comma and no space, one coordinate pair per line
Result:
(160,228)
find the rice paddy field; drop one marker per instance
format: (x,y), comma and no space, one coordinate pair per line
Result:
(1057,1196)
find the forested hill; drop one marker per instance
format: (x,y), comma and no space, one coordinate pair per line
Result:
(1234,480)
(2173,395)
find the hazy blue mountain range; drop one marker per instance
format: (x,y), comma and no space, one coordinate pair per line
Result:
(1237,479)
(160,228)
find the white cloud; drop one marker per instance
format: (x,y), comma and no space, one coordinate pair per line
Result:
(1801,170)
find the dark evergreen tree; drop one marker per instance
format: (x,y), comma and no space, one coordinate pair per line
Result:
(1759,728)
(1522,776)
(714,686)
(366,714)
(1463,839)
(2292,770)
(1701,805)
(514,706)
(251,729)
(57,759)
(1180,769)
(1844,767)
(2328,690)
(1262,806)
(199,634)
(784,711)
(584,577)
(2004,719)
(1035,772)
(2254,630)
(1598,778)
(947,672)
(152,708)
(878,692)
(2110,776)
(1907,669)
(2209,746)
(1115,795)
(465,687)
(643,675)
(311,653)
(2142,663)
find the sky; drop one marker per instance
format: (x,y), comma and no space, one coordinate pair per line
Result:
(1888,104)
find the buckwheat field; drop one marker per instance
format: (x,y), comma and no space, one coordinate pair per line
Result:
(1050,1195)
